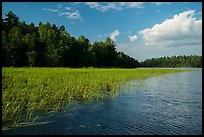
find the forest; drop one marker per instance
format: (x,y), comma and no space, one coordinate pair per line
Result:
(174,61)
(48,45)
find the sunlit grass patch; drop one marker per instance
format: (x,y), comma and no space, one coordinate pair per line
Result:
(29,91)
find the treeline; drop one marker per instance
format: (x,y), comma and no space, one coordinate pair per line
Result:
(49,45)
(174,61)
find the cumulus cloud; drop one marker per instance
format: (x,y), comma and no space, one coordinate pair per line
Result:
(181,30)
(74,15)
(71,15)
(104,6)
(133,38)
(114,34)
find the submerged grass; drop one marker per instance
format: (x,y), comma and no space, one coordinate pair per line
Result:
(26,91)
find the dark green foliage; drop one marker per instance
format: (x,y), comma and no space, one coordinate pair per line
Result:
(48,45)
(174,61)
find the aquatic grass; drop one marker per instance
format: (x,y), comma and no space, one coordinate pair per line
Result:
(28,91)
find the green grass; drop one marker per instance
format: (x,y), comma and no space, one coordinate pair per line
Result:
(26,91)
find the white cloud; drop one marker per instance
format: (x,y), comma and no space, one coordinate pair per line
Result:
(68,8)
(160,3)
(182,30)
(133,38)
(132,4)
(51,10)
(94,5)
(66,11)
(71,15)
(104,6)
(75,3)
(74,15)
(114,34)
(140,51)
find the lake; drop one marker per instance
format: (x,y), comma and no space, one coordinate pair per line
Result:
(164,105)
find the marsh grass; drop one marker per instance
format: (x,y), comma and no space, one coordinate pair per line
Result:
(29,91)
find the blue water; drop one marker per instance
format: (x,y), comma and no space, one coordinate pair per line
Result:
(164,105)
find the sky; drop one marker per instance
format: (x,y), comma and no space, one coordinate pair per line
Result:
(142,30)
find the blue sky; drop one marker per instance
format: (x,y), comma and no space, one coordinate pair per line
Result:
(132,25)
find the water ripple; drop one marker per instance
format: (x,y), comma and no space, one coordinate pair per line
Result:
(170,105)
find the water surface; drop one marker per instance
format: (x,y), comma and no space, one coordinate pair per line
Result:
(165,105)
